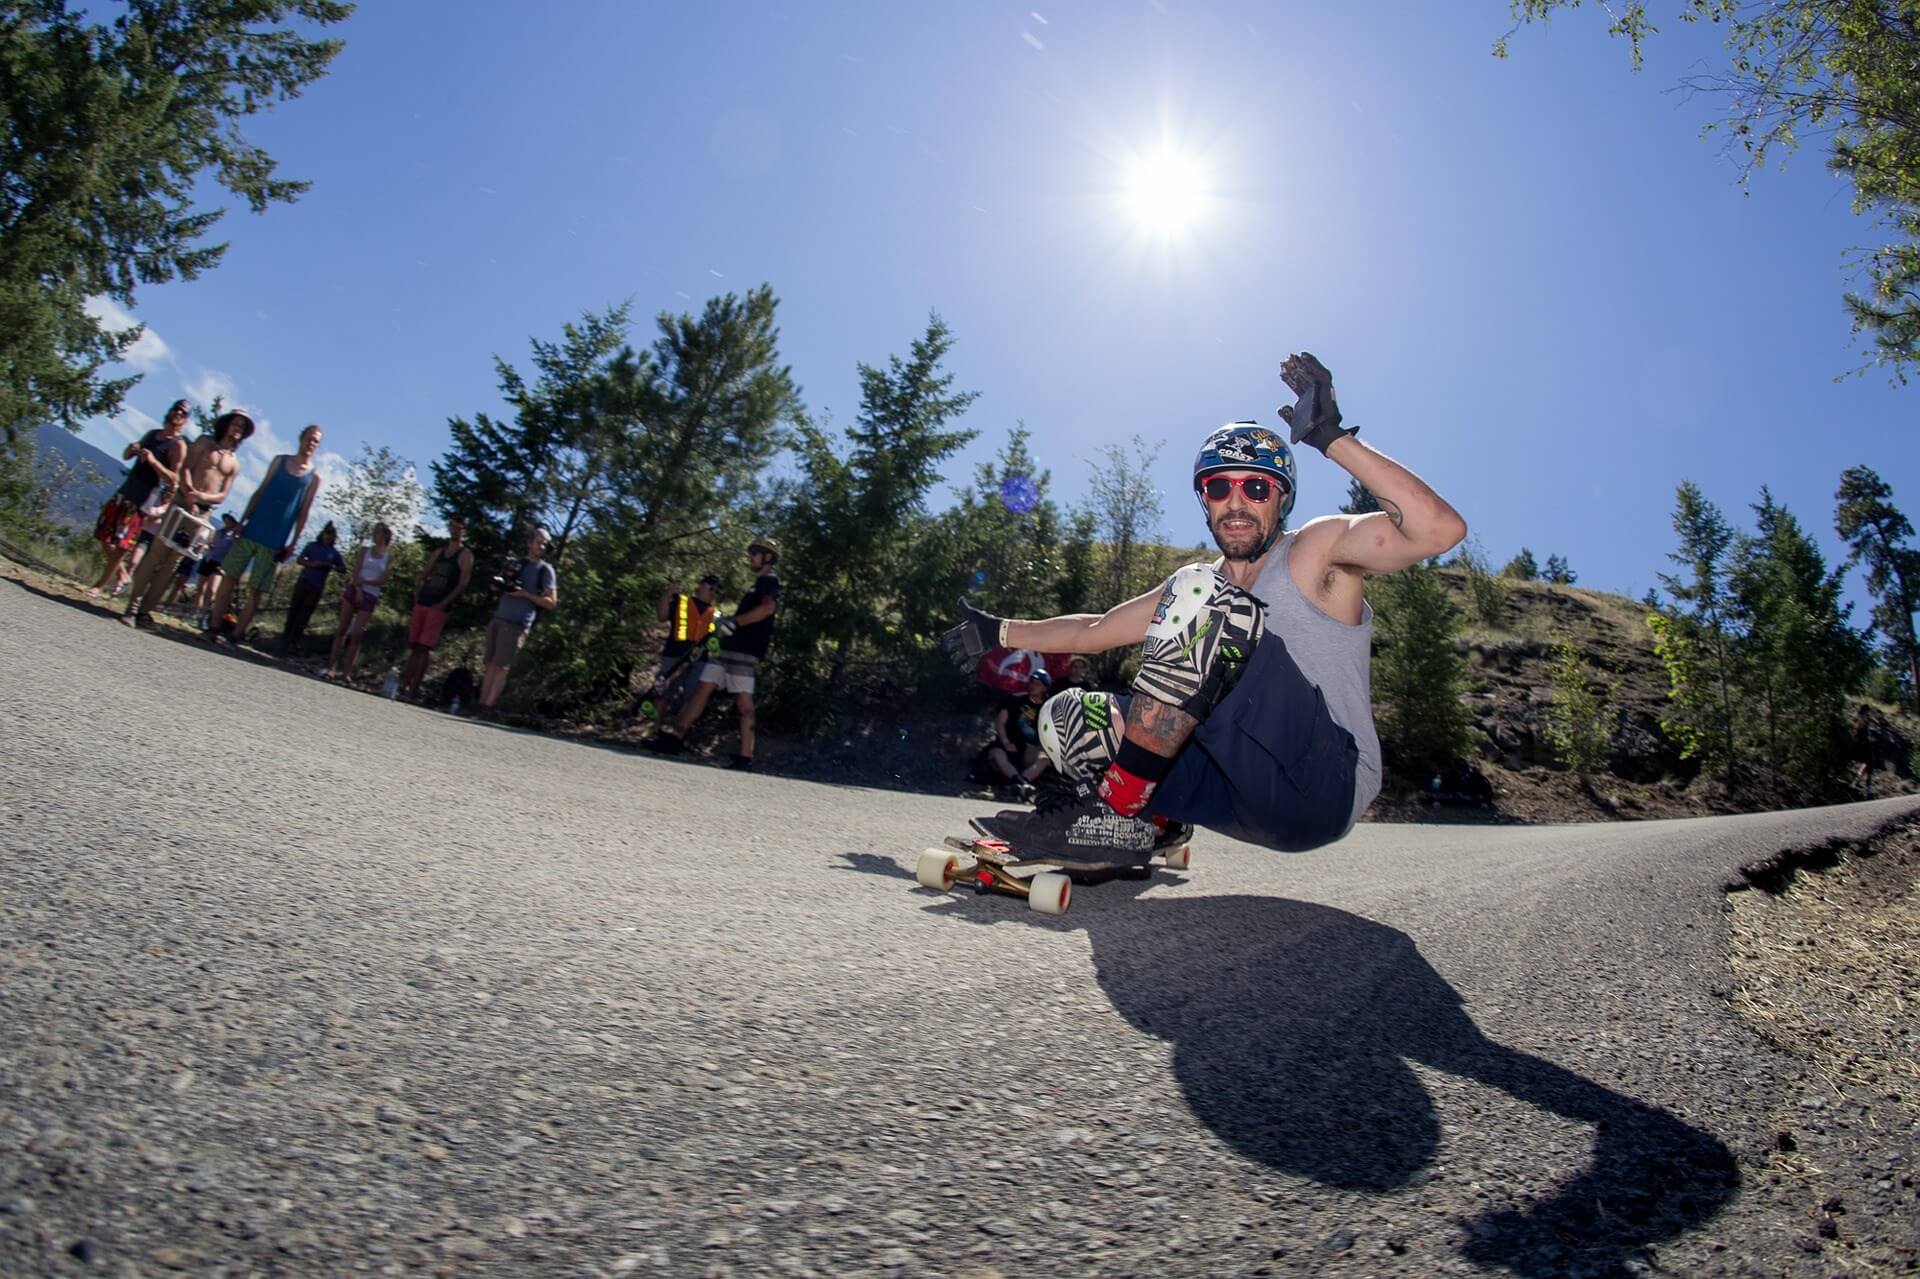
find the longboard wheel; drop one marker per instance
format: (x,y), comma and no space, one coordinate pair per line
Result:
(1050,893)
(936,869)
(1180,858)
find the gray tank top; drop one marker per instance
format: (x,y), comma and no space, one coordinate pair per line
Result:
(1335,657)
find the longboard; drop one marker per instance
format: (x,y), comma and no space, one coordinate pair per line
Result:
(1045,882)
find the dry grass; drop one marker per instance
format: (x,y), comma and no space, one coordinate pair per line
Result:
(1825,969)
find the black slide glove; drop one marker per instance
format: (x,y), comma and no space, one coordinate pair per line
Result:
(976,633)
(1315,417)
(724,625)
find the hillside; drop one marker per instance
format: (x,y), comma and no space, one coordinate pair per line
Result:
(1517,776)
(76,502)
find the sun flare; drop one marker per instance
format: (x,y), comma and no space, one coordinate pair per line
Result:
(1166,191)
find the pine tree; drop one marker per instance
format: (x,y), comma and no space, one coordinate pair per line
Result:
(1700,623)
(1522,566)
(851,524)
(1800,659)
(1360,499)
(1558,573)
(1419,674)
(112,132)
(1877,534)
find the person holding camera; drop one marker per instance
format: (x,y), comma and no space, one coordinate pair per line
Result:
(531,589)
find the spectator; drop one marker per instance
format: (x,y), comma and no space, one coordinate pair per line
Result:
(203,482)
(156,458)
(533,588)
(372,565)
(689,620)
(1015,751)
(210,563)
(317,563)
(443,580)
(270,528)
(744,639)
(1079,675)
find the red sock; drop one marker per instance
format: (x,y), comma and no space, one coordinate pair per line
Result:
(1125,793)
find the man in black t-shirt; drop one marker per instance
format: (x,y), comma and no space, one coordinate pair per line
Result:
(745,638)
(156,458)
(1015,752)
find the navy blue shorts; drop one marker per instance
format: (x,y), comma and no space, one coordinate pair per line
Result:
(1269,766)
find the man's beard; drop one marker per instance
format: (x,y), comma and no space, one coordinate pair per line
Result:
(1252,544)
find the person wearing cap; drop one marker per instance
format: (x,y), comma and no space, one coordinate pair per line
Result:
(1079,675)
(205,478)
(1251,714)
(443,579)
(744,640)
(689,620)
(1015,750)
(156,458)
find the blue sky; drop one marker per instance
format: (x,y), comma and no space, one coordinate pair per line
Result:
(1534,282)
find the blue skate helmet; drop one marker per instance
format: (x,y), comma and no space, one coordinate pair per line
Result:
(1246,446)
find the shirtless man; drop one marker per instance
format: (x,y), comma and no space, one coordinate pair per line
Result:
(1260,659)
(206,477)
(270,527)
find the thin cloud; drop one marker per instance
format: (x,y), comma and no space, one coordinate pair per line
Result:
(148,352)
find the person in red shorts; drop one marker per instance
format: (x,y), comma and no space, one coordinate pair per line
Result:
(442,581)
(156,458)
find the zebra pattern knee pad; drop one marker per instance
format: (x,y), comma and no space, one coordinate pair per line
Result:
(1202,636)
(1080,731)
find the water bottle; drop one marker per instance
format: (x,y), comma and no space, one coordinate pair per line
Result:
(391,689)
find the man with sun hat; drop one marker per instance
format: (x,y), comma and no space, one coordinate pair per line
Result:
(1251,714)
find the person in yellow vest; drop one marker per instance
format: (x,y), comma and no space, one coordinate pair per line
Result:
(689,620)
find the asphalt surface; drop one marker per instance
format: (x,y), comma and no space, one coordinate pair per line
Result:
(294,980)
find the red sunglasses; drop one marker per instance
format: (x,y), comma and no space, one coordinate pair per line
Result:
(1257,488)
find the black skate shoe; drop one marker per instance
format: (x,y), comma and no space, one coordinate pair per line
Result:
(1073,823)
(1170,834)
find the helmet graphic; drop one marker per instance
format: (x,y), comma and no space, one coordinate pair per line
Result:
(1246,446)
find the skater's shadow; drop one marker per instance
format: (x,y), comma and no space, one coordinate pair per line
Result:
(1293,1027)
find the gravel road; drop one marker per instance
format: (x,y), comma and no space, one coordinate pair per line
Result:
(323,984)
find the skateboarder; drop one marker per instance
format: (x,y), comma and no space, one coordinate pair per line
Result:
(1262,658)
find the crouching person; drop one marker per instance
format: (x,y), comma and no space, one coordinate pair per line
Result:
(1252,711)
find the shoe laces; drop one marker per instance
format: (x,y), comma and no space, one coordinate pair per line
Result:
(1057,793)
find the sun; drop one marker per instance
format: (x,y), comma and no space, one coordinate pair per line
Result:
(1166,191)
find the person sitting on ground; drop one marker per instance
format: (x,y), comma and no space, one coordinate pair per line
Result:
(689,619)
(744,639)
(358,597)
(532,589)
(271,526)
(317,562)
(1015,752)
(205,479)
(156,458)
(443,579)
(1261,659)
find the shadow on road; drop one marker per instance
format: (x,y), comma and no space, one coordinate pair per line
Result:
(1293,1026)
